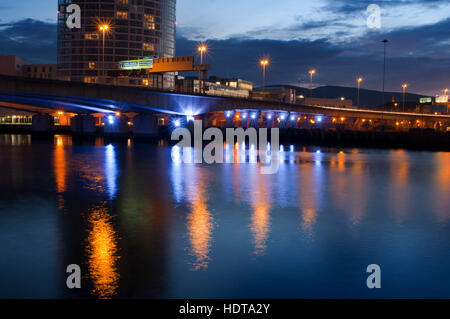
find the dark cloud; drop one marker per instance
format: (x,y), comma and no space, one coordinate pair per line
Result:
(418,56)
(33,40)
(345,6)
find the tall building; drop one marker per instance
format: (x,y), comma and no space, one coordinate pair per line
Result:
(137,28)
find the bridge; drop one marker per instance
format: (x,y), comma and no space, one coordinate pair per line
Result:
(143,106)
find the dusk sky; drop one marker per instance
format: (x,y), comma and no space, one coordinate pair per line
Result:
(329,35)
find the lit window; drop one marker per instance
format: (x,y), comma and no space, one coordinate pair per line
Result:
(91,65)
(148,46)
(149,22)
(122,15)
(91,36)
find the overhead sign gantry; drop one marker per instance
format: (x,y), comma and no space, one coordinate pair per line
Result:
(150,65)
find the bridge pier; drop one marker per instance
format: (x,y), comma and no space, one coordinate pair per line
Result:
(229,116)
(283,118)
(115,125)
(42,123)
(254,118)
(269,116)
(83,124)
(145,125)
(244,118)
(293,120)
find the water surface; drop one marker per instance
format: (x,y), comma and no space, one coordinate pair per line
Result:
(143,226)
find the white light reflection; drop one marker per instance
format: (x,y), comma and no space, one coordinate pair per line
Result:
(176,173)
(111,170)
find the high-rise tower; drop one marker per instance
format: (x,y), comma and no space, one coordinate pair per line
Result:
(136,28)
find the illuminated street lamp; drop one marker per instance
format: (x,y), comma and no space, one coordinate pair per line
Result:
(404,86)
(359,80)
(202,49)
(264,63)
(384,68)
(311,73)
(445,93)
(103,28)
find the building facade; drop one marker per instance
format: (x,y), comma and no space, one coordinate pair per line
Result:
(12,65)
(274,94)
(40,71)
(16,66)
(341,102)
(236,88)
(136,28)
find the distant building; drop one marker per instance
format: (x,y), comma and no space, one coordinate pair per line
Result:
(237,88)
(439,105)
(12,116)
(12,65)
(16,66)
(233,82)
(340,102)
(281,94)
(40,71)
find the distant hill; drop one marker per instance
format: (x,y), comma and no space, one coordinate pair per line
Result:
(368,98)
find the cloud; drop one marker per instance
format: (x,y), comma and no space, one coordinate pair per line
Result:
(346,6)
(33,40)
(418,56)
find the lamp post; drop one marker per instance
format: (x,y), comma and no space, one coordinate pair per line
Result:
(404,86)
(103,28)
(384,69)
(359,80)
(445,93)
(264,63)
(311,73)
(202,49)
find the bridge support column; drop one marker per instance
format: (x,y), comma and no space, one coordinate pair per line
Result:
(116,125)
(283,117)
(244,118)
(254,118)
(206,121)
(229,116)
(145,125)
(83,124)
(42,123)
(293,120)
(269,116)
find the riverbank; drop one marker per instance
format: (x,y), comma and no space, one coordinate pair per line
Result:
(414,139)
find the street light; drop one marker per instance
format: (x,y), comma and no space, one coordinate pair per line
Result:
(384,68)
(202,49)
(264,64)
(404,86)
(445,93)
(311,73)
(103,28)
(359,80)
